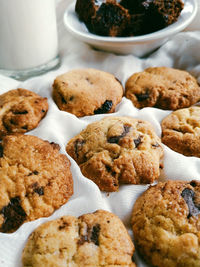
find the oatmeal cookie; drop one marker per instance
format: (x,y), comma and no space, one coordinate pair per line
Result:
(94,240)
(166,224)
(87,91)
(35,179)
(162,87)
(117,150)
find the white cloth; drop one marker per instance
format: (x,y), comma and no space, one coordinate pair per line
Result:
(180,52)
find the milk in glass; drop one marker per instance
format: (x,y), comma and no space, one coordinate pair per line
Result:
(28,33)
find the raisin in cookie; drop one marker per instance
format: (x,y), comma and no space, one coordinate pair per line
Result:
(162,87)
(35,179)
(96,239)
(181,131)
(21,111)
(166,224)
(117,150)
(87,91)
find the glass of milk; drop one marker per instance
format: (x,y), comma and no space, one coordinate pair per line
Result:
(28,37)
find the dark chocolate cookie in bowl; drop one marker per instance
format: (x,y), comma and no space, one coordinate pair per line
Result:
(166,224)
(84,92)
(127,18)
(35,180)
(117,150)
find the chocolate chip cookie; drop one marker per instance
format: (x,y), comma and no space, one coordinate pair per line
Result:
(21,111)
(166,224)
(87,92)
(117,150)
(96,239)
(35,179)
(162,87)
(181,131)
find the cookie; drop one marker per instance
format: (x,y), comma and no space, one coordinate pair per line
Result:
(181,131)
(166,224)
(117,150)
(21,111)
(111,19)
(35,180)
(162,87)
(96,239)
(156,14)
(87,92)
(106,18)
(86,9)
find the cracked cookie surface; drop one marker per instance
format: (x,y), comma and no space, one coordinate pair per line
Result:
(21,111)
(84,92)
(162,87)
(166,224)
(35,179)
(117,150)
(96,239)
(181,131)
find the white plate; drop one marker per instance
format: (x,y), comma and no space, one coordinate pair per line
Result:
(139,45)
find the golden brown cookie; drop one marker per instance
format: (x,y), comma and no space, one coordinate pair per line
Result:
(166,224)
(21,111)
(87,92)
(162,87)
(92,240)
(35,179)
(181,131)
(117,150)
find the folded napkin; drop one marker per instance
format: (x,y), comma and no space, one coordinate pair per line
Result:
(181,52)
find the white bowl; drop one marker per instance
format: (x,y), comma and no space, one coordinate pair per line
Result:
(139,45)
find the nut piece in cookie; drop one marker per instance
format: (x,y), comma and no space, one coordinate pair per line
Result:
(181,131)
(35,180)
(117,150)
(94,239)
(21,111)
(162,87)
(166,224)
(85,92)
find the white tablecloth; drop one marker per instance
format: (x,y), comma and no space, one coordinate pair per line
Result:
(183,52)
